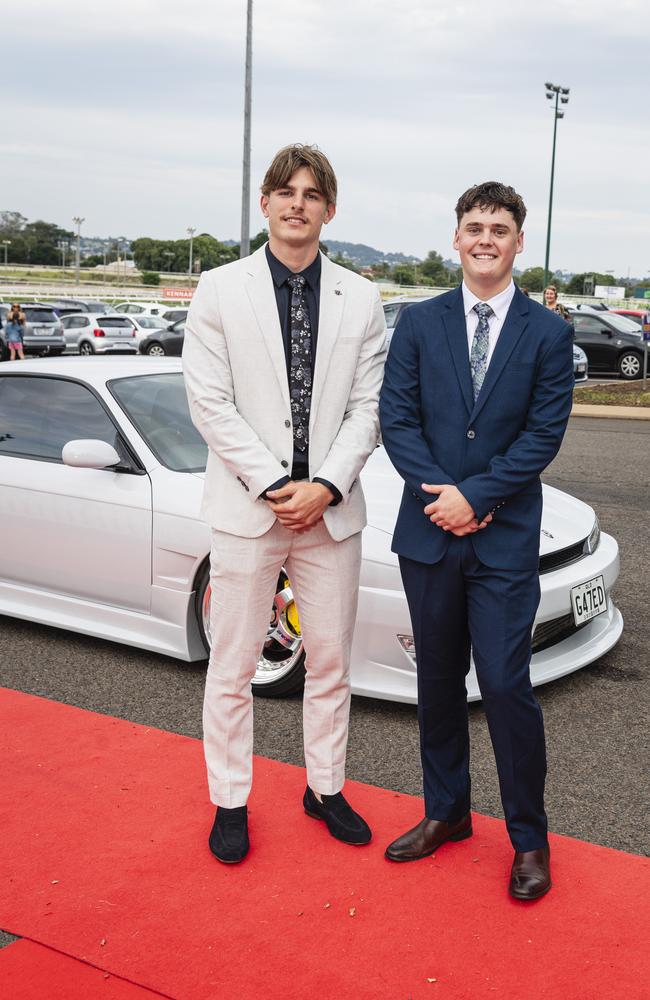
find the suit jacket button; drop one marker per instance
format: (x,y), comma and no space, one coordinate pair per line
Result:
(285,465)
(471,434)
(287,423)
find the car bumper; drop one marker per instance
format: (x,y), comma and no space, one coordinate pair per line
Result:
(381,668)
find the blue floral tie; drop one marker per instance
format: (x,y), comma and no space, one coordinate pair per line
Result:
(300,368)
(478,359)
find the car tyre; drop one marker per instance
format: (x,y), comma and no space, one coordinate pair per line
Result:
(281,666)
(155,350)
(86,349)
(630,365)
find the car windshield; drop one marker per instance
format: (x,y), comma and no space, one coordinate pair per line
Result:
(151,322)
(157,406)
(622,323)
(40,315)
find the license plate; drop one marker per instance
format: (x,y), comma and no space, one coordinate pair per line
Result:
(588,600)
(42,331)
(582,368)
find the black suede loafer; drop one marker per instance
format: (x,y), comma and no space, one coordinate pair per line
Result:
(342,821)
(229,835)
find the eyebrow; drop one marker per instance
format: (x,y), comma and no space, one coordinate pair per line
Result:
(291,187)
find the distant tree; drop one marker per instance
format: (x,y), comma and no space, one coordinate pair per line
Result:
(381,269)
(433,268)
(12,222)
(345,262)
(150,278)
(576,285)
(259,240)
(92,261)
(404,274)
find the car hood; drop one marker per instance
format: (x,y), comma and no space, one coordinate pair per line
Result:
(565,520)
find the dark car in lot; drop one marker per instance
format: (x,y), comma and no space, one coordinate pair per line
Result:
(64,307)
(636,315)
(164,342)
(612,343)
(42,333)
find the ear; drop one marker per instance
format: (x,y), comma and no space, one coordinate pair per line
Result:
(520,241)
(330,212)
(264,205)
(455,240)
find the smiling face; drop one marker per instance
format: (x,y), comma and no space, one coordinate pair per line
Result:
(550,297)
(296,213)
(488,242)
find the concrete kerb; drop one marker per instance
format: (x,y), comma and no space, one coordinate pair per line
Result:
(613,412)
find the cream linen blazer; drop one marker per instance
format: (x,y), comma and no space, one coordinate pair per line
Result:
(238,391)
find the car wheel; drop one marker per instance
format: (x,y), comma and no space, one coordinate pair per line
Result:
(86,348)
(281,665)
(155,350)
(630,365)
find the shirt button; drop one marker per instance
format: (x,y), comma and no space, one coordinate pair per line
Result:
(287,423)
(285,465)
(471,434)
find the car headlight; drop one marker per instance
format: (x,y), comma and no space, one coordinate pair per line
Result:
(594,538)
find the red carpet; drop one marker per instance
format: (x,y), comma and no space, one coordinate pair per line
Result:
(104,858)
(30,971)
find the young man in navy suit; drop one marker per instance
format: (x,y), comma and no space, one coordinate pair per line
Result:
(476,398)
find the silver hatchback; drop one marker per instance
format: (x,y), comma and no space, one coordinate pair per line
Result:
(88,333)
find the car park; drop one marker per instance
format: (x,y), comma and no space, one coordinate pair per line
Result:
(63,307)
(86,333)
(102,473)
(394,308)
(612,343)
(164,342)
(42,332)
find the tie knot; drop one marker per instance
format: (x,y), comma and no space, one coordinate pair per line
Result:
(483,310)
(297,282)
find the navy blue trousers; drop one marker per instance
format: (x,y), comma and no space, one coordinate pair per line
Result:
(457,604)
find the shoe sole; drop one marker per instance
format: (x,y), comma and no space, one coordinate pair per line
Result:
(463,835)
(352,843)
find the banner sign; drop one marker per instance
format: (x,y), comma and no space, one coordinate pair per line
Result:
(177,293)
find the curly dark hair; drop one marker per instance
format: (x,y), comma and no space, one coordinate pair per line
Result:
(492,195)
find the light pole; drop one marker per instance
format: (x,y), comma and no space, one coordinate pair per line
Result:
(190,232)
(63,246)
(6,244)
(561,97)
(77,219)
(245,241)
(168,254)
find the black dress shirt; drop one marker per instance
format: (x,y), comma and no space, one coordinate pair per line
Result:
(280,273)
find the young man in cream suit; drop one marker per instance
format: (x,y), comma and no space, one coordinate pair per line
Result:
(283,362)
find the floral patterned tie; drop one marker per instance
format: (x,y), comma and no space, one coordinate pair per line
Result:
(300,364)
(478,359)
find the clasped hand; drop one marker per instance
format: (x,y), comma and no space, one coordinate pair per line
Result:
(451,511)
(299,506)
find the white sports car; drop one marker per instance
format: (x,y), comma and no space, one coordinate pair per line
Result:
(101,473)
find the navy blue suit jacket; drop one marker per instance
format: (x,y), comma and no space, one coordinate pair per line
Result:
(493,449)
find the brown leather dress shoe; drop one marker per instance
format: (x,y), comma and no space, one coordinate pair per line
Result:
(530,877)
(426,837)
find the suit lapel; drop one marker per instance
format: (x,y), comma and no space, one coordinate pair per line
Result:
(456,329)
(332,298)
(259,287)
(512,329)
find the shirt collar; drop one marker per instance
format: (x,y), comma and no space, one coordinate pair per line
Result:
(499,303)
(280,272)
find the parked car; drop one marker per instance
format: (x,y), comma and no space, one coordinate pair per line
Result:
(42,333)
(102,473)
(612,343)
(86,333)
(162,342)
(141,308)
(175,314)
(63,307)
(394,308)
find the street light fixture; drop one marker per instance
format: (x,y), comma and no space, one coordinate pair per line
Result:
(6,244)
(561,95)
(190,232)
(244,242)
(77,219)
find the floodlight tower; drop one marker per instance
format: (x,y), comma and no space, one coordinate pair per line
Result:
(561,95)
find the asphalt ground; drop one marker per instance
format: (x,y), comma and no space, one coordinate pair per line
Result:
(596,719)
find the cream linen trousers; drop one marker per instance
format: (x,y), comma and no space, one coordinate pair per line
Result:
(324,576)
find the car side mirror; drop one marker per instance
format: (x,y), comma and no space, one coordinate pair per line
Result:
(89,454)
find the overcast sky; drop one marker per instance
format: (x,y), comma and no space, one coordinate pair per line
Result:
(130,113)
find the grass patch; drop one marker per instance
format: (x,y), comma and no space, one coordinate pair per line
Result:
(621,394)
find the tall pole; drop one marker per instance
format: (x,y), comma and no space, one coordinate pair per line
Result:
(245,242)
(77,219)
(5,246)
(561,94)
(190,232)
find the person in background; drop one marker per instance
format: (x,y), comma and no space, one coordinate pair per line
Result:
(14,332)
(551,302)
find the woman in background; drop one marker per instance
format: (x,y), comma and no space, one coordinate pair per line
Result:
(14,332)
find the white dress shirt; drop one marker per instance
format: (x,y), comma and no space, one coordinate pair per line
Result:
(499,305)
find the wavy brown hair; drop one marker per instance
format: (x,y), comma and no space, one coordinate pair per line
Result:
(292,158)
(491,195)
